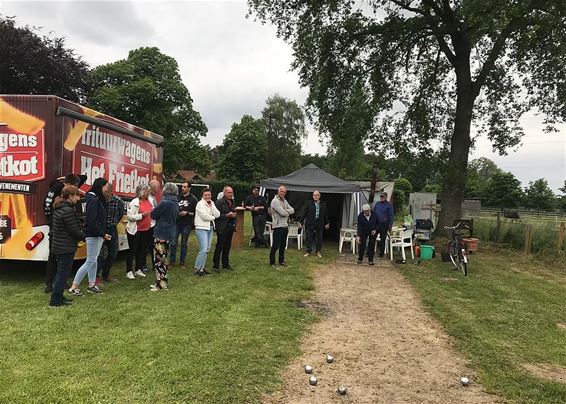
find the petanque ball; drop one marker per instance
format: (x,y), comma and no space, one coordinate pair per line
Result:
(313,380)
(308,369)
(465,381)
(342,390)
(329,358)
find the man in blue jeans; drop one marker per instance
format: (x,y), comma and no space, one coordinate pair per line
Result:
(185,222)
(384,212)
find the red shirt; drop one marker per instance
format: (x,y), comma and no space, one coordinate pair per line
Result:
(145,223)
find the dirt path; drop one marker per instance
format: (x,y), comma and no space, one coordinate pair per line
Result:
(387,347)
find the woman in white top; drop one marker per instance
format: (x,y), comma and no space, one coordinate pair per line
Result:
(205,214)
(138,230)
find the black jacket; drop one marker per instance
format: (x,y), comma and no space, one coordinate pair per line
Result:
(309,218)
(95,219)
(65,229)
(365,226)
(223,222)
(54,191)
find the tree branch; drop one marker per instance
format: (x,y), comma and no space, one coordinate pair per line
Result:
(407,6)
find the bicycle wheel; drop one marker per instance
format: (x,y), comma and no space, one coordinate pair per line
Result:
(453,252)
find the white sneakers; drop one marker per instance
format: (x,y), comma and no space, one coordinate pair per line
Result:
(140,273)
(130,275)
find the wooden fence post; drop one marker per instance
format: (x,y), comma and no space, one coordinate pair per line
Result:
(528,238)
(561,236)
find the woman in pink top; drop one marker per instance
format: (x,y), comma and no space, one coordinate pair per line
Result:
(138,231)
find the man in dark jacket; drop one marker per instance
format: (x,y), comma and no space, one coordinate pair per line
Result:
(225,226)
(384,212)
(367,233)
(185,221)
(54,191)
(64,234)
(114,213)
(257,204)
(315,220)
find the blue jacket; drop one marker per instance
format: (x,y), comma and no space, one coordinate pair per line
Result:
(165,215)
(384,212)
(365,226)
(95,218)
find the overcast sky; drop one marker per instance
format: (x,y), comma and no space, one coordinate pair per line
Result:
(231,65)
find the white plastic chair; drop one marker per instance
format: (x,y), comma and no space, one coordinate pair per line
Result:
(347,236)
(386,243)
(401,238)
(294,233)
(268,232)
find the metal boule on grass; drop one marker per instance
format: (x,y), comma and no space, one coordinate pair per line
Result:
(308,369)
(313,380)
(342,390)
(329,359)
(465,381)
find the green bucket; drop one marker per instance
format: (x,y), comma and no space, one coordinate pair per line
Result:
(426,252)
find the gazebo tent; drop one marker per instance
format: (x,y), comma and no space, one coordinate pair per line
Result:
(344,199)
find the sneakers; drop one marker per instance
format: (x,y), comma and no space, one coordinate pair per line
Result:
(228,268)
(94,289)
(283,264)
(306,254)
(319,255)
(158,287)
(358,262)
(371,263)
(130,274)
(139,273)
(75,292)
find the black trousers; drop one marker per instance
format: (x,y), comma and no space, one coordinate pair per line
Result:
(382,230)
(259,228)
(223,245)
(64,267)
(314,235)
(138,250)
(368,240)
(50,268)
(279,243)
(108,254)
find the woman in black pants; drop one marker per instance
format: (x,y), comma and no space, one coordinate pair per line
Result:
(65,233)
(138,230)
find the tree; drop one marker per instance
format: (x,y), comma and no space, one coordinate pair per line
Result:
(480,171)
(146,89)
(429,68)
(242,152)
(504,191)
(538,195)
(285,124)
(34,64)
(561,199)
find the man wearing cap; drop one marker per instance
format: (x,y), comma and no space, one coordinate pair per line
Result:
(367,233)
(384,213)
(257,204)
(315,221)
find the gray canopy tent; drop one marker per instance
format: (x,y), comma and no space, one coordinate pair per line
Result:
(344,199)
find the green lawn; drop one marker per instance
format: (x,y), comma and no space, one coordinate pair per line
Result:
(504,315)
(222,338)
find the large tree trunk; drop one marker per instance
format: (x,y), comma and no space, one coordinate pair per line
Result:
(455,176)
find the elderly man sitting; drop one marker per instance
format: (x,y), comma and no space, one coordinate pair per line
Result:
(367,233)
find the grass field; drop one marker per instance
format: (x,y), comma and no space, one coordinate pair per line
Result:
(218,339)
(506,314)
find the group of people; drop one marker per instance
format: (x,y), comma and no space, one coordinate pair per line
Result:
(156,220)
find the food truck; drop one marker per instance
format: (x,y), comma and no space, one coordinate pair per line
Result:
(42,139)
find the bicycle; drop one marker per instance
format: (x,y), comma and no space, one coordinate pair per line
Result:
(457,249)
